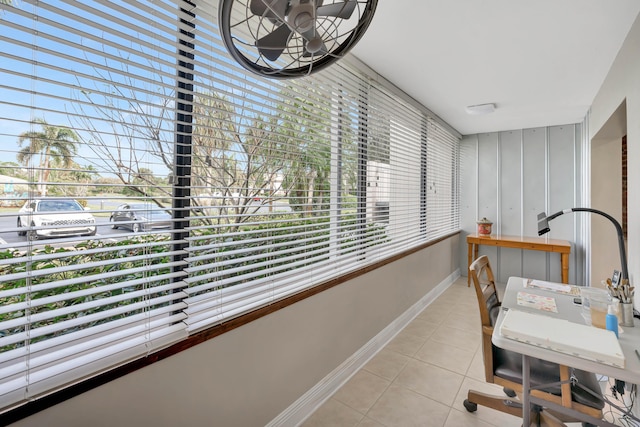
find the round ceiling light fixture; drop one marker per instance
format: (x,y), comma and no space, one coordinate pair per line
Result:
(480,109)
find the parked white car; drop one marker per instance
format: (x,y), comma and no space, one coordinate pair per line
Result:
(42,218)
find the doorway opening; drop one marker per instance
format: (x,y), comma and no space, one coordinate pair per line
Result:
(608,193)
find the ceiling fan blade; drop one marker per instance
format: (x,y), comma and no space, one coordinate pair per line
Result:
(341,10)
(259,7)
(273,44)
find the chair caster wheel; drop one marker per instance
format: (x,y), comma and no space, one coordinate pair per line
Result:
(470,406)
(509,392)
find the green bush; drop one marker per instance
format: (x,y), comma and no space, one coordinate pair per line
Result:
(84,270)
(263,249)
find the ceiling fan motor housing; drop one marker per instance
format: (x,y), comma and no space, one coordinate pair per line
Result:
(301,17)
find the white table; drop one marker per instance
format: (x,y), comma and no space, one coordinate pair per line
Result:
(629,342)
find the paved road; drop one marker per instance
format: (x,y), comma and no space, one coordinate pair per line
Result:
(9,235)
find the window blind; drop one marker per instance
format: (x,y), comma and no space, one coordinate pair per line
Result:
(88,115)
(205,193)
(442,186)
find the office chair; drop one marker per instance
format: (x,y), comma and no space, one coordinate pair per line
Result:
(504,367)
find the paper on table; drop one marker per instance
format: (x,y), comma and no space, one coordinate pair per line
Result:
(554,287)
(538,302)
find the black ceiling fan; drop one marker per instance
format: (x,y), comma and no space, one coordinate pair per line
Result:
(292,38)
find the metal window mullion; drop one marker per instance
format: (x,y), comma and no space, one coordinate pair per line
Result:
(184,131)
(361,193)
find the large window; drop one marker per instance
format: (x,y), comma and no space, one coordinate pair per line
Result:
(150,189)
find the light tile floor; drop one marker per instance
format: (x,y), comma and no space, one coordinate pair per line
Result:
(422,376)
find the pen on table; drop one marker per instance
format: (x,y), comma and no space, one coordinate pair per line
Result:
(637,354)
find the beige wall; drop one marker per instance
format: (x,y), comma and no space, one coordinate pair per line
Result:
(623,83)
(248,376)
(606,195)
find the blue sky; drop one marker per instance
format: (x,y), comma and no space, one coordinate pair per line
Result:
(29,90)
(64,76)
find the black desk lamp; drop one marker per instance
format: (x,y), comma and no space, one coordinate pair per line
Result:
(543,227)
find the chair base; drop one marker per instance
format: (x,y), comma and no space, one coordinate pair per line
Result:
(502,404)
(538,417)
(509,392)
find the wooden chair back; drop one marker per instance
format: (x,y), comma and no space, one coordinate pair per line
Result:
(489,305)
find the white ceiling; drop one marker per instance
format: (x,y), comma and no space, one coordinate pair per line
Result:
(540,61)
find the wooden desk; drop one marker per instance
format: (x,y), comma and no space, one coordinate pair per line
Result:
(530,243)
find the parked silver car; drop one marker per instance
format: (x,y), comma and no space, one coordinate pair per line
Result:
(140,216)
(54,218)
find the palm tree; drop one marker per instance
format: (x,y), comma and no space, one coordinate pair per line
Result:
(52,141)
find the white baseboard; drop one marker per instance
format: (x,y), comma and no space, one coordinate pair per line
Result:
(308,403)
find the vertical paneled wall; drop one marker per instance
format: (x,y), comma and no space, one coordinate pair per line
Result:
(511,176)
